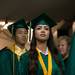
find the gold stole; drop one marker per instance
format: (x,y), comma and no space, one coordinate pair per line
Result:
(49,72)
(17,50)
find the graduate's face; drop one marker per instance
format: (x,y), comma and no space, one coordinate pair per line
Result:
(63,47)
(42,32)
(21,35)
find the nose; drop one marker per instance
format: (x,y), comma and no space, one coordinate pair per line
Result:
(23,35)
(42,30)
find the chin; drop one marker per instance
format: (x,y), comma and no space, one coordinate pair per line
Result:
(42,40)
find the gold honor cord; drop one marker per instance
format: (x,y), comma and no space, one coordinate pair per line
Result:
(49,72)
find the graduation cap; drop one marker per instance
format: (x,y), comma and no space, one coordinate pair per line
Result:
(43,19)
(18,24)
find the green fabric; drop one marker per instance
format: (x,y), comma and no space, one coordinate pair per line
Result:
(71,59)
(60,58)
(25,64)
(18,24)
(45,60)
(66,65)
(6,63)
(22,66)
(43,19)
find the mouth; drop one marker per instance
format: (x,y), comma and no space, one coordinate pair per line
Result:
(23,39)
(43,35)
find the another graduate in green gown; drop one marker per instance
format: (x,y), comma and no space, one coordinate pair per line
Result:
(10,57)
(71,60)
(43,58)
(64,48)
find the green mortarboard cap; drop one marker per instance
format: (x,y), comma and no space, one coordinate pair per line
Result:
(43,19)
(18,24)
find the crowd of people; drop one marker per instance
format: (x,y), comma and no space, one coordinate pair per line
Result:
(45,54)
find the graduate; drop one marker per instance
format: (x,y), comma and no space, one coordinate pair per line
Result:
(42,58)
(10,57)
(64,48)
(71,60)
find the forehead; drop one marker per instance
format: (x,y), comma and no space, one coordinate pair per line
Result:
(63,41)
(40,25)
(21,29)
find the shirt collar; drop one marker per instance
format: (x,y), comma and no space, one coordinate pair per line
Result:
(45,53)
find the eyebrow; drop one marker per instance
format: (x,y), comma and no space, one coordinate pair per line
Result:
(42,25)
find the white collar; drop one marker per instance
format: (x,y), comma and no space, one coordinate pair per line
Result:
(45,53)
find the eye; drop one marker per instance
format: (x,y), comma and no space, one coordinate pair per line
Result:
(62,44)
(25,32)
(22,32)
(46,28)
(38,28)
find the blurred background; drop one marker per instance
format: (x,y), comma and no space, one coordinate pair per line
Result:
(12,10)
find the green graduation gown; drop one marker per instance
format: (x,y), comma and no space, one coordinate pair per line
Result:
(6,63)
(71,59)
(55,68)
(66,65)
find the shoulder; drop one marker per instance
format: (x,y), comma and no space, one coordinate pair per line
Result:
(5,52)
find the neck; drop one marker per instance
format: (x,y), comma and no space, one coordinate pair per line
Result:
(42,45)
(22,46)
